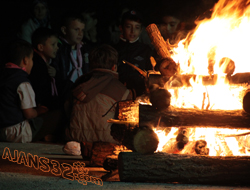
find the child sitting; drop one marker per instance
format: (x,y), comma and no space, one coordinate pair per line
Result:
(72,58)
(94,95)
(130,49)
(42,75)
(18,115)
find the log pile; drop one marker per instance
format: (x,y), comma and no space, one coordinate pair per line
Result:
(138,139)
(239,78)
(163,167)
(103,150)
(175,117)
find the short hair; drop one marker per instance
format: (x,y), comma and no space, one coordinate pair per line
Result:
(132,15)
(103,56)
(18,50)
(71,16)
(35,2)
(171,8)
(40,36)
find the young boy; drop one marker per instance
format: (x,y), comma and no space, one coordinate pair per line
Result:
(130,49)
(171,22)
(44,41)
(18,122)
(94,95)
(72,58)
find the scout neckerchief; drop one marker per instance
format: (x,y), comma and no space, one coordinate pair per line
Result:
(13,66)
(76,63)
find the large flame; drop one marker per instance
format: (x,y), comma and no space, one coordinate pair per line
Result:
(216,43)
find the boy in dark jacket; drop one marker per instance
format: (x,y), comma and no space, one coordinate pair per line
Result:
(18,109)
(72,58)
(130,49)
(42,75)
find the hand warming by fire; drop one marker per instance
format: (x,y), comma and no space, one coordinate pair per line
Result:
(205,80)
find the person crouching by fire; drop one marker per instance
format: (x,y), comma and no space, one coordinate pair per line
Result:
(93,95)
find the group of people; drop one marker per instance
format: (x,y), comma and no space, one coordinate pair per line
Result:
(55,84)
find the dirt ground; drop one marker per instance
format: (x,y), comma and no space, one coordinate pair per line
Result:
(16,173)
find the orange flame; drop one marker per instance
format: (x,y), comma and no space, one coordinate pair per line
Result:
(218,45)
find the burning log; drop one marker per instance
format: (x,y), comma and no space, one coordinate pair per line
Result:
(163,167)
(200,147)
(175,117)
(182,145)
(103,152)
(182,137)
(100,151)
(238,78)
(138,139)
(159,97)
(162,48)
(246,102)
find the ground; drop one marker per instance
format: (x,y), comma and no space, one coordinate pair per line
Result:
(15,172)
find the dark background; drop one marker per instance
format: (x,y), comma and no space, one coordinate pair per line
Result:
(14,12)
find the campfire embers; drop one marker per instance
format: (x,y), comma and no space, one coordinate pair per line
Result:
(201,147)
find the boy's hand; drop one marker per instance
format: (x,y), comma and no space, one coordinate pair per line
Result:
(51,71)
(41,109)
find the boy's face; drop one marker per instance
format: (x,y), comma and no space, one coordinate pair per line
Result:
(169,26)
(73,33)
(40,11)
(131,30)
(29,63)
(49,49)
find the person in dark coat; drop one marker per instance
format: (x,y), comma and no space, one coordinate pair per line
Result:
(42,75)
(130,49)
(72,57)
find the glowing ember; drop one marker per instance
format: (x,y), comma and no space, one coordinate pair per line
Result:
(219,143)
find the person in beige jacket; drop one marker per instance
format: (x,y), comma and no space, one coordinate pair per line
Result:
(94,94)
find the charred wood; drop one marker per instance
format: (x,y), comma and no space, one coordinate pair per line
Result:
(200,147)
(175,117)
(138,139)
(246,102)
(183,80)
(238,78)
(159,97)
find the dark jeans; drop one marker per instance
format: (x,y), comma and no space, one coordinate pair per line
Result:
(45,124)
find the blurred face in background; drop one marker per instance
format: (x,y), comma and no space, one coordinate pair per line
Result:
(131,30)
(40,11)
(169,26)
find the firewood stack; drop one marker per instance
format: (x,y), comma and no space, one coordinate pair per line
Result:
(103,150)
(172,168)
